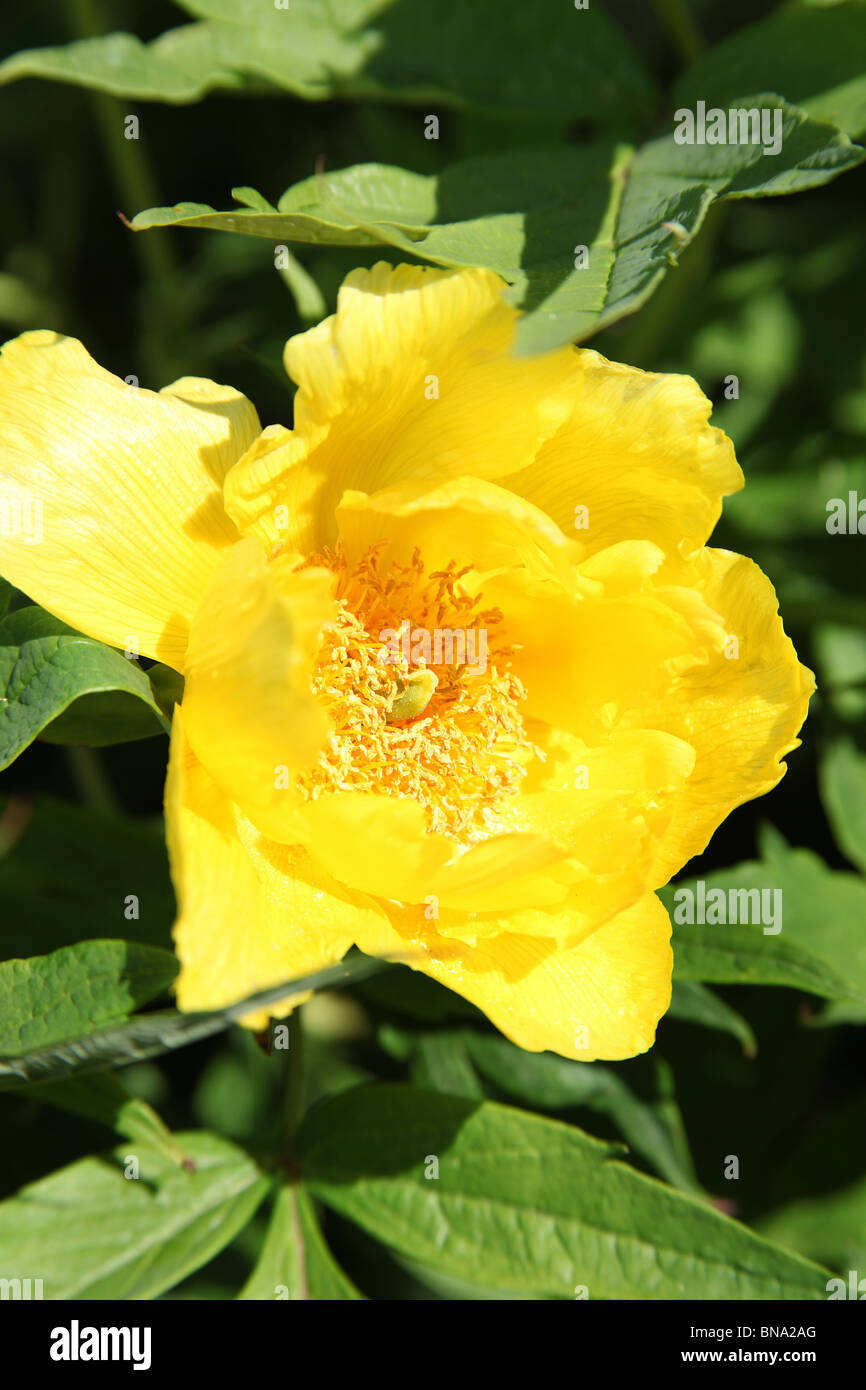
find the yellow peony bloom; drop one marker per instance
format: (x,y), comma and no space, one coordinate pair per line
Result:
(462,678)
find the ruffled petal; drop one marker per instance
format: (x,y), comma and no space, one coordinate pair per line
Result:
(599,999)
(589,651)
(126,487)
(412,377)
(740,708)
(469,520)
(636,460)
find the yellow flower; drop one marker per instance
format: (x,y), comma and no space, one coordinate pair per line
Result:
(462,678)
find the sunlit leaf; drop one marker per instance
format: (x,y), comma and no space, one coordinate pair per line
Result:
(295,1262)
(527,1204)
(148,1035)
(133,1223)
(544,59)
(59,684)
(811,55)
(582,234)
(76,991)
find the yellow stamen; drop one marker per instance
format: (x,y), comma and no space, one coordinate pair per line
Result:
(449,736)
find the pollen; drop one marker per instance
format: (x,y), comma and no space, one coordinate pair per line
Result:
(416,678)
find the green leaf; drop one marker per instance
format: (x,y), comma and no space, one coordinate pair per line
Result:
(68,688)
(180,66)
(549,60)
(91,862)
(102,1096)
(148,1035)
(841,659)
(528,1204)
(90,1232)
(76,990)
(543,1080)
(671,187)
(821,947)
(741,955)
(167,686)
(526,214)
(520,213)
(738,953)
(309,300)
(812,56)
(825,912)
(843,791)
(105,718)
(295,1257)
(693,1003)
(830,1228)
(442,1062)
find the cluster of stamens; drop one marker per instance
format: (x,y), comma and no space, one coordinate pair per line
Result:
(447,734)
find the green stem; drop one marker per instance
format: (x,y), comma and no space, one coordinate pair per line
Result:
(294,1087)
(128,160)
(299,1245)
(91,779)
(676,19)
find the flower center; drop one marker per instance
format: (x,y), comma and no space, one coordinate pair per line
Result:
(416,679)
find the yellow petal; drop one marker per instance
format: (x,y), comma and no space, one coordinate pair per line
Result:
(590,651)
(583,842)
(609,809)
(505,872)
(584,830)
(267,491)
(412,377)
(598,999)
(740,709)
(598,841)
(463,519)
(248,706)
(638,454)
(250,913)
(127,485)
(376,844)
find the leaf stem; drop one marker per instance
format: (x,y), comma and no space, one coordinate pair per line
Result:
(91,779)
(675,17)
(130,166)
(299,1243)
(294,1080)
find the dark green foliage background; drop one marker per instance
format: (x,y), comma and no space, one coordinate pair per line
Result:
(772,290)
